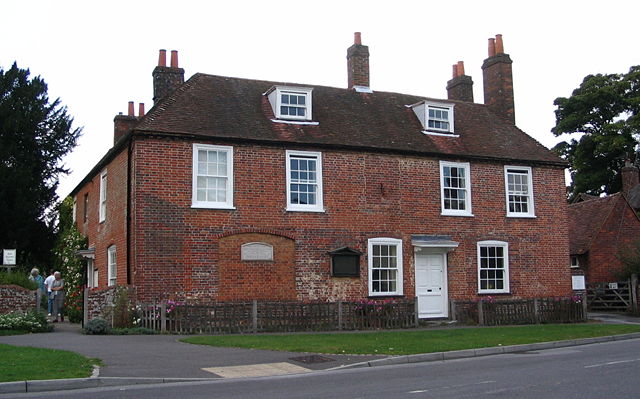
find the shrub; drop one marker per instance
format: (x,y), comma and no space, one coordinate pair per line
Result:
(15,278)
(97,326)
(132,331)
(122,311)
(31,322)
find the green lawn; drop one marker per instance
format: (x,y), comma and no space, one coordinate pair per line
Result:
(411,342)
(20,363)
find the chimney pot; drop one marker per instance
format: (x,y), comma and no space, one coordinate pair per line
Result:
(130,113)
(174,59)
(455,71)
(492,47)
(141,110)
(499,44)
(357,38)
(460,68)
(162,58)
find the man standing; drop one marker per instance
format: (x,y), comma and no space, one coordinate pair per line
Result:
(57,289)
(47,285)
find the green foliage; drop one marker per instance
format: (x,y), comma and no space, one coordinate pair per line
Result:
(31,322)
(123,312)
(22,363)
(68,242)
(35,134)
(132,331)
(15,278)
(605,111)
(630,258)
(96,326)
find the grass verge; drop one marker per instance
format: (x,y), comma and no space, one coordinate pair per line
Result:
(21,363)
(412,342)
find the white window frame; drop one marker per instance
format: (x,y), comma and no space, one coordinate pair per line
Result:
(435,106)
(112,266)
(92,274)
(574,262)
(319,205)
(195,203)
(399,274)
(102,211)
(467,189)
(74,209)
(530,202)
(505,268)
(275,98)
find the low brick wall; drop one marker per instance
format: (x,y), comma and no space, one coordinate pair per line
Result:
(15,298)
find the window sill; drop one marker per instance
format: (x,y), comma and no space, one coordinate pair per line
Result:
(220,207)
(295,122)
(440,133)
(457,214)
(494,292)
(387,294)
(523,216)
(313,210)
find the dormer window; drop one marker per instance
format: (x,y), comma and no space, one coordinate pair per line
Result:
(436,118)
(290,103)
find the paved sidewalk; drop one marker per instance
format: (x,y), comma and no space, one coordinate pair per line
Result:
(614,318)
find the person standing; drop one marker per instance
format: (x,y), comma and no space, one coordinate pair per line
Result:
(40,290)
(47,285)
(57,289)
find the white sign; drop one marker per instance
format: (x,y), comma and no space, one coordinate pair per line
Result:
(256,251)
(577,282)
(613,286)
(9,257)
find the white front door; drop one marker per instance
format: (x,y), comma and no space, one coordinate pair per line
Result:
(431,287)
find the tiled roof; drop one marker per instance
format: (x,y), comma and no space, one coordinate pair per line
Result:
(586,219)
(236,109)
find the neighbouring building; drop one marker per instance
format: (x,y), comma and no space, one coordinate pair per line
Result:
(234,189)
(600,228)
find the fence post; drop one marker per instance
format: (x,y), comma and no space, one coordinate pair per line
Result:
(634,293)
(415,312)
(480,313)
(340,315)
(254,316)
(452,310)
(536,310)
(584,306)
(163,316)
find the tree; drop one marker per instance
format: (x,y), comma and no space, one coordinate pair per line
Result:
(34,136)
(605,110)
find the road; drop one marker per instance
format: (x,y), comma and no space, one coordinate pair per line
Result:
(607,370)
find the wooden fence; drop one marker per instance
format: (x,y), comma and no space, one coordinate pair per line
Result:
(520,311)
(253,317)
(621,296)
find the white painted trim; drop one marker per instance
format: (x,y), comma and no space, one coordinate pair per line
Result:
(319,205)
(228,204)
(363,89)
(102,205)
(440,134)
(295,122)
(112,265)
(454,212)
(276,98)
(400,276)
(531,213)
(493,243)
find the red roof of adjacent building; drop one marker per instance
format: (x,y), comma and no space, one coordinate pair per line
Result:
(586,219)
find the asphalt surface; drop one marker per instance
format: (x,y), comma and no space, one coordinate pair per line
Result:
(604,370)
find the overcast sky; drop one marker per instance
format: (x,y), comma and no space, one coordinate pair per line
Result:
(97,56)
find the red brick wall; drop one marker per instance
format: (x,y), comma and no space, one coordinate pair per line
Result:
(114,229)
(620,230)
(177,254)
(16,299)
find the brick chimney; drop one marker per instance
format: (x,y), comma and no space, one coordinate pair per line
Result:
(166,78)
(630,177)
(358,63)
(460,87)
(123,124)
(498,80)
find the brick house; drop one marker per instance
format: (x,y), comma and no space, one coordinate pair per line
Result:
(601,227)
(233,189)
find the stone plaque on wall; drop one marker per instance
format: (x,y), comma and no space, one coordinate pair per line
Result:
(256,251)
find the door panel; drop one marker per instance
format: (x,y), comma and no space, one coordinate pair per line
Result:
(430,285)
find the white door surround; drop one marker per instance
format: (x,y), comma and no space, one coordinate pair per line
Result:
(431,283)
